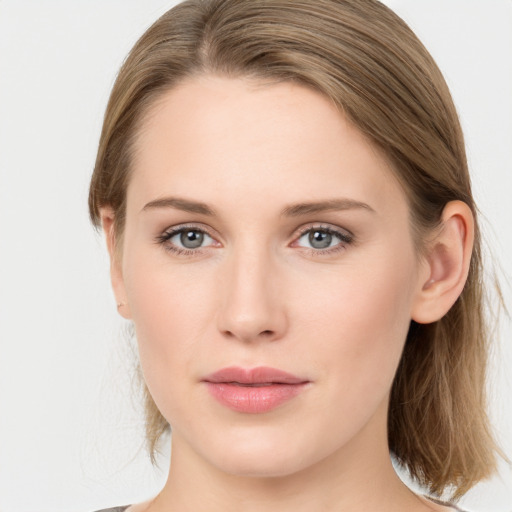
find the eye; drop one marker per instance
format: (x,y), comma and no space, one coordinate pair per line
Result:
(189,238)
(323,239)
(185,240)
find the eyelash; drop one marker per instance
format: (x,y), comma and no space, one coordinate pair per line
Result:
(345,238)
(164,238)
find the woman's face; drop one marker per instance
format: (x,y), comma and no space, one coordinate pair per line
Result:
(264,230)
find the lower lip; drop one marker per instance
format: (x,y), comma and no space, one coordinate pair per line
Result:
(253,399)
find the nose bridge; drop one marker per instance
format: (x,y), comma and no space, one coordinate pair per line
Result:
(251,308)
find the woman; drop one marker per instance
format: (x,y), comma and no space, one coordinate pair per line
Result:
(285,196)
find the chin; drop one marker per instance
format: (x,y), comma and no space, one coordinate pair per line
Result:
(261,456)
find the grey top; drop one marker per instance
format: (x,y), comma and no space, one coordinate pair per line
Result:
(115,509)
(122,509)
(439,502)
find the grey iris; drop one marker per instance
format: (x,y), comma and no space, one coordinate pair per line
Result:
(191,239)
(320,239)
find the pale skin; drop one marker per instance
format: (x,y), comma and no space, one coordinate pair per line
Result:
(239,164)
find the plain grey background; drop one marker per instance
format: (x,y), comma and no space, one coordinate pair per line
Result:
(70,427)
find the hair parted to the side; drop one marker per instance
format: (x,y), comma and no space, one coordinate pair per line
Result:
(365,59)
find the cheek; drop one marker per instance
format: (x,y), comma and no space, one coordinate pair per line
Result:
(171,310)
(359,323)
(166,298)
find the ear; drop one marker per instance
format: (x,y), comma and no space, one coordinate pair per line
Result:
(446,264)
(116,272)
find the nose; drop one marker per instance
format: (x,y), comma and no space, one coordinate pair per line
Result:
(252,304)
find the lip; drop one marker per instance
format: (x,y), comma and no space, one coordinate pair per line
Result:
(255,390)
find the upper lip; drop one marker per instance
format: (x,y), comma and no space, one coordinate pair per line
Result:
(258,375)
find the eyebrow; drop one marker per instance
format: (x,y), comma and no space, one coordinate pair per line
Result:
(294,210)
(180,204)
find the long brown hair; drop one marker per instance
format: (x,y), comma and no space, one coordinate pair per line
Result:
(366,60)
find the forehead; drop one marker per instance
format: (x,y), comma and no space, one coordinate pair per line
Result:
(218,137)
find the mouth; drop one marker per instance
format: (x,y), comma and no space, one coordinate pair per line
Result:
(255,385)
(254,391)
(259,376)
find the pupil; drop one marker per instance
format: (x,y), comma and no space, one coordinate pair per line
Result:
(191,239)
(320,239)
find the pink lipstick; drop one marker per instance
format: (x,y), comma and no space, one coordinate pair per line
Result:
(255,390)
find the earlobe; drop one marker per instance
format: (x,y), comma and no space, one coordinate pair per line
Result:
(447,264)
(116,274)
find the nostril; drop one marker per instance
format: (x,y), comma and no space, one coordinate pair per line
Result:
(267,333)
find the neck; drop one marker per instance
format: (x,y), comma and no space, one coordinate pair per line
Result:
(358,477)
